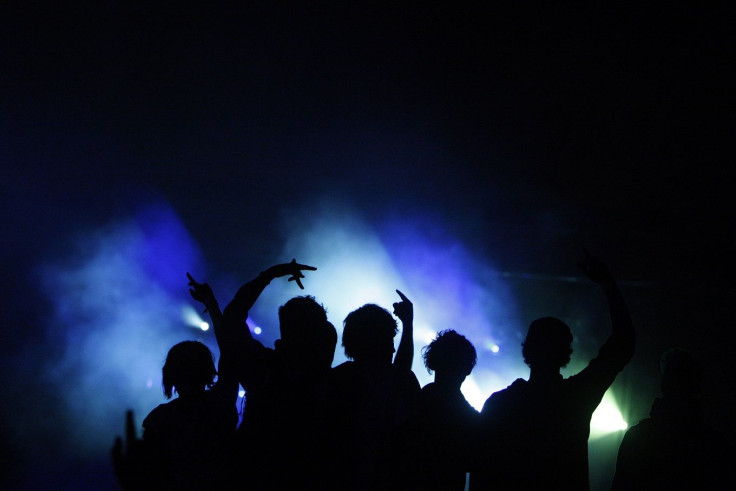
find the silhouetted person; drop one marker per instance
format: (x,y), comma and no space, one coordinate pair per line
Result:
(536,431)
(440,440)
(369,399)
(673,449)
(275,437)
(186,442)
(131,462)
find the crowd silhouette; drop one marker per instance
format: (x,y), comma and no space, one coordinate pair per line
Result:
(367,424)
(674,448)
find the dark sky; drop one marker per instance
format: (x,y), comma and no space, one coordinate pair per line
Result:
(529,130)
(612,120)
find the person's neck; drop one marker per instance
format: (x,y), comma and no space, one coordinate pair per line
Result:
(543,374)
(373,362)
(189,390)
(448,382)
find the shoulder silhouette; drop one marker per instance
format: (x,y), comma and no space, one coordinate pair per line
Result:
(673,449)
(439,441)
(535,432)
(369,398)
(273,443)
(186,442)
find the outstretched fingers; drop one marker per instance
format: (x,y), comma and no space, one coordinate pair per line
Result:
(302,267)
(296,272)
(298,280)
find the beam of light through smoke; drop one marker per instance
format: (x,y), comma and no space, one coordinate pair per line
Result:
(607,417)
(121,301)
(192,318)
(449,287)
(118,304)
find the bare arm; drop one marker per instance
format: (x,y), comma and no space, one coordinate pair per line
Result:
(202,292)
(227,384)
(404,310)
(622,342)
(236,312)
(249,352)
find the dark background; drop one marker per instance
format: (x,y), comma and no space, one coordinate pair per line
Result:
(528,130)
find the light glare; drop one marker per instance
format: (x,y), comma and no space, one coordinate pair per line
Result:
(491,346)
(192,318)
(424,334)
(607,417)
(473,394)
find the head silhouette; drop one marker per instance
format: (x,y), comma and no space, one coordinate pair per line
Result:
(307,339)
(368,334)
(450,352)
(680,373)
(189,367)
(300,318)
(548,343)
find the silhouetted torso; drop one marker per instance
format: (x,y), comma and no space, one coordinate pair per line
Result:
(439,442)
(189,440)
(673,450)
(366,404)
(536,434)
(274,438)
(272,442)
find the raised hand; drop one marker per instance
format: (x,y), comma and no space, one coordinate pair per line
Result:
(293,268)
(201,292)
(129,460)
(404,310)
(595,269)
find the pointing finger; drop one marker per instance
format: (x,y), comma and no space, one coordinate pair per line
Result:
(403,297)
(302,266)
(191,280)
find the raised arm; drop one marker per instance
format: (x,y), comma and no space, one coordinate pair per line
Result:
(236,312)
(202,292)
(622,342)
(133,461)
(404,310)
(227,384)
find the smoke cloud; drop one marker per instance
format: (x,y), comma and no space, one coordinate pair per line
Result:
(117,299)
(362,262)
